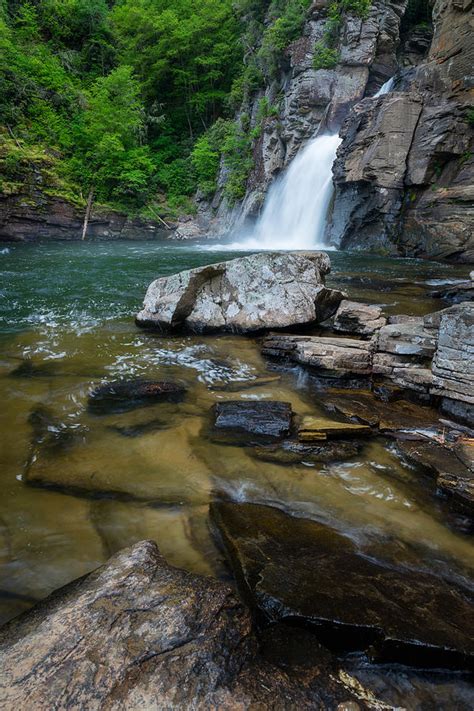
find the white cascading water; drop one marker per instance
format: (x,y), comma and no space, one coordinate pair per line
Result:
(385,88)
(295,209)
(294,213)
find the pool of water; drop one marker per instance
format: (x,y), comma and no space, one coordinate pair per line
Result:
(67,309)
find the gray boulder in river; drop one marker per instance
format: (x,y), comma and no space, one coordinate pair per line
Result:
(268,290)
(140,634)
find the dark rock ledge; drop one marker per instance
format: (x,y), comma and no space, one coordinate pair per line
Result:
(306,573)
(140,634)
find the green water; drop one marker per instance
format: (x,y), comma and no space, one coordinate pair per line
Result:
(68,309)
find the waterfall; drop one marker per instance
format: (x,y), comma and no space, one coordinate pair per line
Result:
(385,88)
(294,213)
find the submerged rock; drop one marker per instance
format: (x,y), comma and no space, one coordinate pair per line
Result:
(268,290)
(292,452)
(141,428)
(30,369)
(262,419)
(320,428)
(138,633)
(304,572)
(393,417)
(124,395)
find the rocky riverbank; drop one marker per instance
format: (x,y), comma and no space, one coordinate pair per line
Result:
(35,216)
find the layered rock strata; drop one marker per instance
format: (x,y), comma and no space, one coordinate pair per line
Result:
(431,356)
(26,218)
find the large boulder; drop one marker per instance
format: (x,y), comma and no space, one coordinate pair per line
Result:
(300,570)
(140,634)
(268,290)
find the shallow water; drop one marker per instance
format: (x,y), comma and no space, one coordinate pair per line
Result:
(68,309)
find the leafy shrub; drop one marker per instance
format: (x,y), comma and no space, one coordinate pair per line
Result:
(206,155)
(324,57)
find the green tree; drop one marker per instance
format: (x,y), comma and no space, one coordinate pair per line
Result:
(110,162)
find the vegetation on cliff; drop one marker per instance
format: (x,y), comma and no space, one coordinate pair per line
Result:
(132,99)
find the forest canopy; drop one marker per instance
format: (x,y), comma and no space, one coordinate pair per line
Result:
(133,99)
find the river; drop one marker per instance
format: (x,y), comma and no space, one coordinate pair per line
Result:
(66,325)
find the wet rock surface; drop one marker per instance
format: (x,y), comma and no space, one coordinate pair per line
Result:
(320,428)
(138,633)
(240,419)
(268,290)
(452,465)
(292,452)
(356,317)
(396,417)
(430,357)
(125,395)
(304,572)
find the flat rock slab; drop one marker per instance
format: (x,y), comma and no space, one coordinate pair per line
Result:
(406,339)
(339,356)
(393,417)
(291,452)
(305,572)
(125,395)
(320,428)
(267,290)
(140,634)
(264,419)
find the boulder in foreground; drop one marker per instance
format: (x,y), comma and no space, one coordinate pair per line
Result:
(267,290)
(295,569)
(140,634)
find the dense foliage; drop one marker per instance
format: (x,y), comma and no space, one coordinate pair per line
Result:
(132,101)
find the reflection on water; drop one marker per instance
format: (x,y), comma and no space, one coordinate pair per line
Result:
(104,482)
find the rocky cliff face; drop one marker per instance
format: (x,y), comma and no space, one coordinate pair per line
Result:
(312,101)
(405,172)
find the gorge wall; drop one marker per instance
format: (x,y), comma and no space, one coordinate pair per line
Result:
(404,173)
(404,170)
